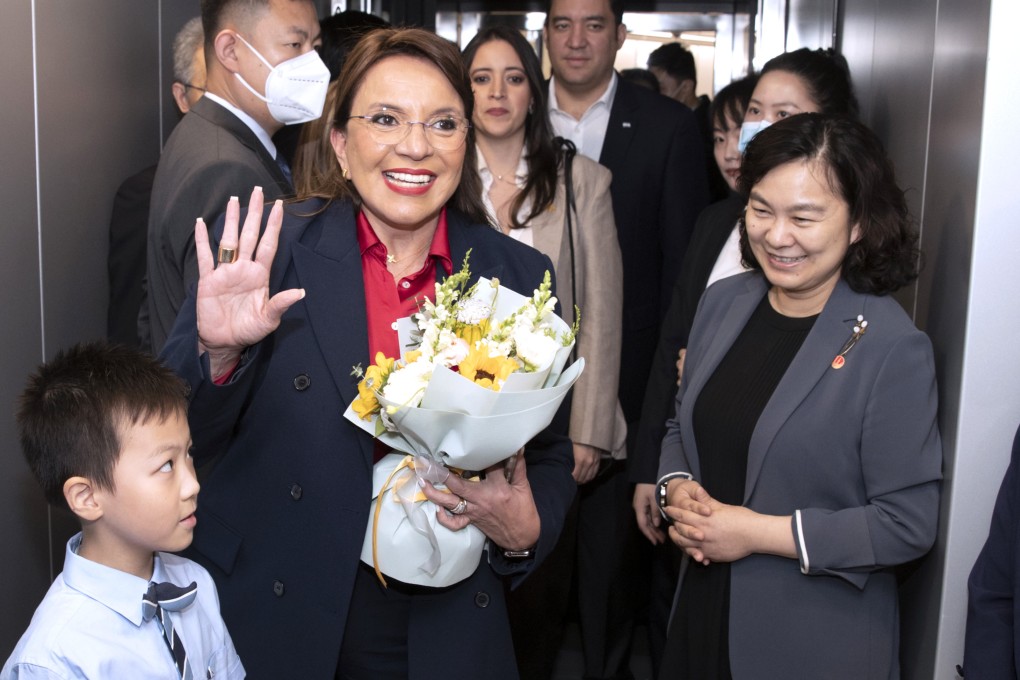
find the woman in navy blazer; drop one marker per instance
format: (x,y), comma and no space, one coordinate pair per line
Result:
(267,345)
(804,461)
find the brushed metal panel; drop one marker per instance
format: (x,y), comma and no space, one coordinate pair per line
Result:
(23,532)
(98,66)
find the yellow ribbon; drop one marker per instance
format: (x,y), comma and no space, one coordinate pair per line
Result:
(389,485)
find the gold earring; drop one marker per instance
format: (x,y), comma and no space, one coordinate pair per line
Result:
(344,173)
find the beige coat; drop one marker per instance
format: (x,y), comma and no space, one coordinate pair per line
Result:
(596,417)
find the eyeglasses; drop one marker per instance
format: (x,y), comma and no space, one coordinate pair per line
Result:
(193,87)
(445,132)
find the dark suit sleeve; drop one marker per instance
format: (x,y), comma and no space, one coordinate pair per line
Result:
(990,650)
(126,259)
(686,195)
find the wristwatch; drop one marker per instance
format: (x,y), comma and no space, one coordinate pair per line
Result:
(519,555)
(660,492)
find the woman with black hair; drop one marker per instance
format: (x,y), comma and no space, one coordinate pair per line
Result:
(804,460)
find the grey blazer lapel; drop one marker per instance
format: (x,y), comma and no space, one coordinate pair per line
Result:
(832,328)
(714,347)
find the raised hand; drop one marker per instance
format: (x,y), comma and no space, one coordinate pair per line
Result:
(233,306)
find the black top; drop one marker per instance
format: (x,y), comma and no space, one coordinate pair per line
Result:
(725,415)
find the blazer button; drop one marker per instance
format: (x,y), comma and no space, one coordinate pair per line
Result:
(482,600)
(278,588)
(301,382)
(296,491)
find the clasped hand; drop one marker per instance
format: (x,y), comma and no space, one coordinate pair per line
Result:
(504,511)
(707,530)
(233,306)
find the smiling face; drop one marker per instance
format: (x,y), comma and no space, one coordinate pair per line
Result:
(778,95)
(725,146)
(583,38)
(403,185)
(152,504)
(502,92)
(799,231)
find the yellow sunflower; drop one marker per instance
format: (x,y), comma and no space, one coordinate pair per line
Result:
(367,403)
(489,372)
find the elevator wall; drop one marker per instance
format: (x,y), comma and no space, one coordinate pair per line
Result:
(86,104)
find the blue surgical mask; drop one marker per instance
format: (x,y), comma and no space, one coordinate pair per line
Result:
(749,130)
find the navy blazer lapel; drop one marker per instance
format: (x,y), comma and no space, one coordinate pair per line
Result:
(482,263)
(621,127)
(223,118)
(832,328)
(327,263)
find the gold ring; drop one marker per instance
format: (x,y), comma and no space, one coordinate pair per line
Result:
(226,255)
(460,507)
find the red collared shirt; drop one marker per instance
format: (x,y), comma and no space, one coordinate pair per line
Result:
(387,300)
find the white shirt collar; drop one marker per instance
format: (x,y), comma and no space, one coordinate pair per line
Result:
(605,100)
(263,136)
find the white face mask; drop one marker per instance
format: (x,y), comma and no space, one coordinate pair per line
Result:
(295,89)
(748,131)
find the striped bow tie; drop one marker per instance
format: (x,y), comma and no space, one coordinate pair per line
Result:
(157,602)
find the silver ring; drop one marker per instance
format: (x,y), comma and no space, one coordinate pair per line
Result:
(460,507)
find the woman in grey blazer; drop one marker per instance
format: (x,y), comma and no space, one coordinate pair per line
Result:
(804,461)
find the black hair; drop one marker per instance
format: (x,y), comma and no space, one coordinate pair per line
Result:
(642,77)
(74,410)
(616,7)
(340,32)
(539,148)
(676,60)
(885,257)
(731,102)
(826,75)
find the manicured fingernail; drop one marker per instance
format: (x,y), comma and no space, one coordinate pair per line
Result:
(233,199)
(258,189)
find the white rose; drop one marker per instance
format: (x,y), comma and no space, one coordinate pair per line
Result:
(535,348)
(406,386)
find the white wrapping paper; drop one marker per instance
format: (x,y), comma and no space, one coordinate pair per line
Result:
(458,424)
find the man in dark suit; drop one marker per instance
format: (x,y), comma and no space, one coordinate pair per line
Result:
(126,261)
(223,147)
(993,636)
(653,148)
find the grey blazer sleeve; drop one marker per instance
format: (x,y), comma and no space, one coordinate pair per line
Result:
(900,458)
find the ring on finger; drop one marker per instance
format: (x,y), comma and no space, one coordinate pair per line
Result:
(226,255)
(460,507)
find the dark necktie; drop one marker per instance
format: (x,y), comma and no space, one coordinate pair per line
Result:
(285,168)
(161,599)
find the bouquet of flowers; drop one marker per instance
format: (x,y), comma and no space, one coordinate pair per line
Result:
(485,374)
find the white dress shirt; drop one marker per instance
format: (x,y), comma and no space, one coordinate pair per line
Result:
(524,234)
(589,132)
(90,625)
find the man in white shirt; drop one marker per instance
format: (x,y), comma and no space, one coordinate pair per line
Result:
(223,147)
(654,150)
